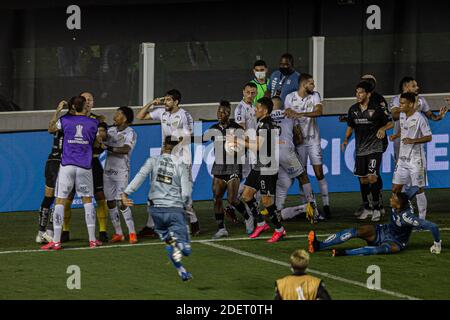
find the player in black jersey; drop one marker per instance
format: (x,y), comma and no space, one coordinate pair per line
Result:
(264,174)
(369,122)
(45,233)
(227,169)
(97,173)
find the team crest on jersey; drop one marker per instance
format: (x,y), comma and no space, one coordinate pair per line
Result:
(370,112)
(79,133)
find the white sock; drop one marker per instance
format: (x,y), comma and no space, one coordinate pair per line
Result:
(323,185)
(191,213)
(58,218)
(307,189)
(89,214)
(279,230)
(422,205)
(150,222)
(128,216)
(115,218)
(291,212)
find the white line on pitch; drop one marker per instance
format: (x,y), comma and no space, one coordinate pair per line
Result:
(160,243)
(323,274)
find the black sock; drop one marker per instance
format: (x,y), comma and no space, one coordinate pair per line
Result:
(240,207)
(375,191)
(274,216)
(219,220)
(365,191)
(380,187)
(253,206)
(44,212)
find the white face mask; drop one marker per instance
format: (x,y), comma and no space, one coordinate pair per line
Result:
(260,75)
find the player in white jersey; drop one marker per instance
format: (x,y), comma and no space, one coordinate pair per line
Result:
(120,142)
(306,105)
(176,122)
(409,84)
(244,115)
(290,165)
(414,133)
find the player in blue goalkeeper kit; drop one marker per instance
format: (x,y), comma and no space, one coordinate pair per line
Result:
(384,238)
(170,191)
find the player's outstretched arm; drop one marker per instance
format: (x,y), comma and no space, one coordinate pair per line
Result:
(140,177)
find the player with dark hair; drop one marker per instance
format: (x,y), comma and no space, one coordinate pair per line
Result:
(285,79)
(290,165)
(409,84)
(97,172)
(260,80)
(45,233)
(369,122)
(176,122)
(80,132)
(227,169)
(263,176)
(384,238)
(119,145)
(414,133)
(170,191)
(305,105)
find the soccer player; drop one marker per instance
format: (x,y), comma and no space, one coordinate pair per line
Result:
(227,170)
(299,285)
(414,133)
(261,81)
(409,84)
(97,172)
(384,238)
(285,80)
(377,99)
(305,105)
(290,165)
(177,122)
(369,122)
(119,144)
(263,176)
(170,191)
(79,135)
(52,165)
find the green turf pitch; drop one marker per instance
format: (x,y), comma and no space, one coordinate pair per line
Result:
(236,269)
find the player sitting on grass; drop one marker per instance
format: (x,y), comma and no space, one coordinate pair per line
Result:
(170,191)
(384,238)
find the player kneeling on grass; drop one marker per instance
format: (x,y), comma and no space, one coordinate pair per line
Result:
(119,144)
(384,238)
(299,285)
(170,191)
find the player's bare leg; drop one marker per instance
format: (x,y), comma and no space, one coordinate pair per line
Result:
(233,200)
(219,188)
(366,211)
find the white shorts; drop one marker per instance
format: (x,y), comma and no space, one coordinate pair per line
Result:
(313,151)
(70,175)
(409,173)
(114,185)
(290,162)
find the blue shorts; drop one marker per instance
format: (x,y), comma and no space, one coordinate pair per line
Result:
(384,236)
(170,221)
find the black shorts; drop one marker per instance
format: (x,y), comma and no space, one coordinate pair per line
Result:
(97,174)
(368,165)
(265,184)
(51,172)
(228,177)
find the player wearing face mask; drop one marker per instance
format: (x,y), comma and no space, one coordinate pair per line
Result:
(260,79)
(285,79)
